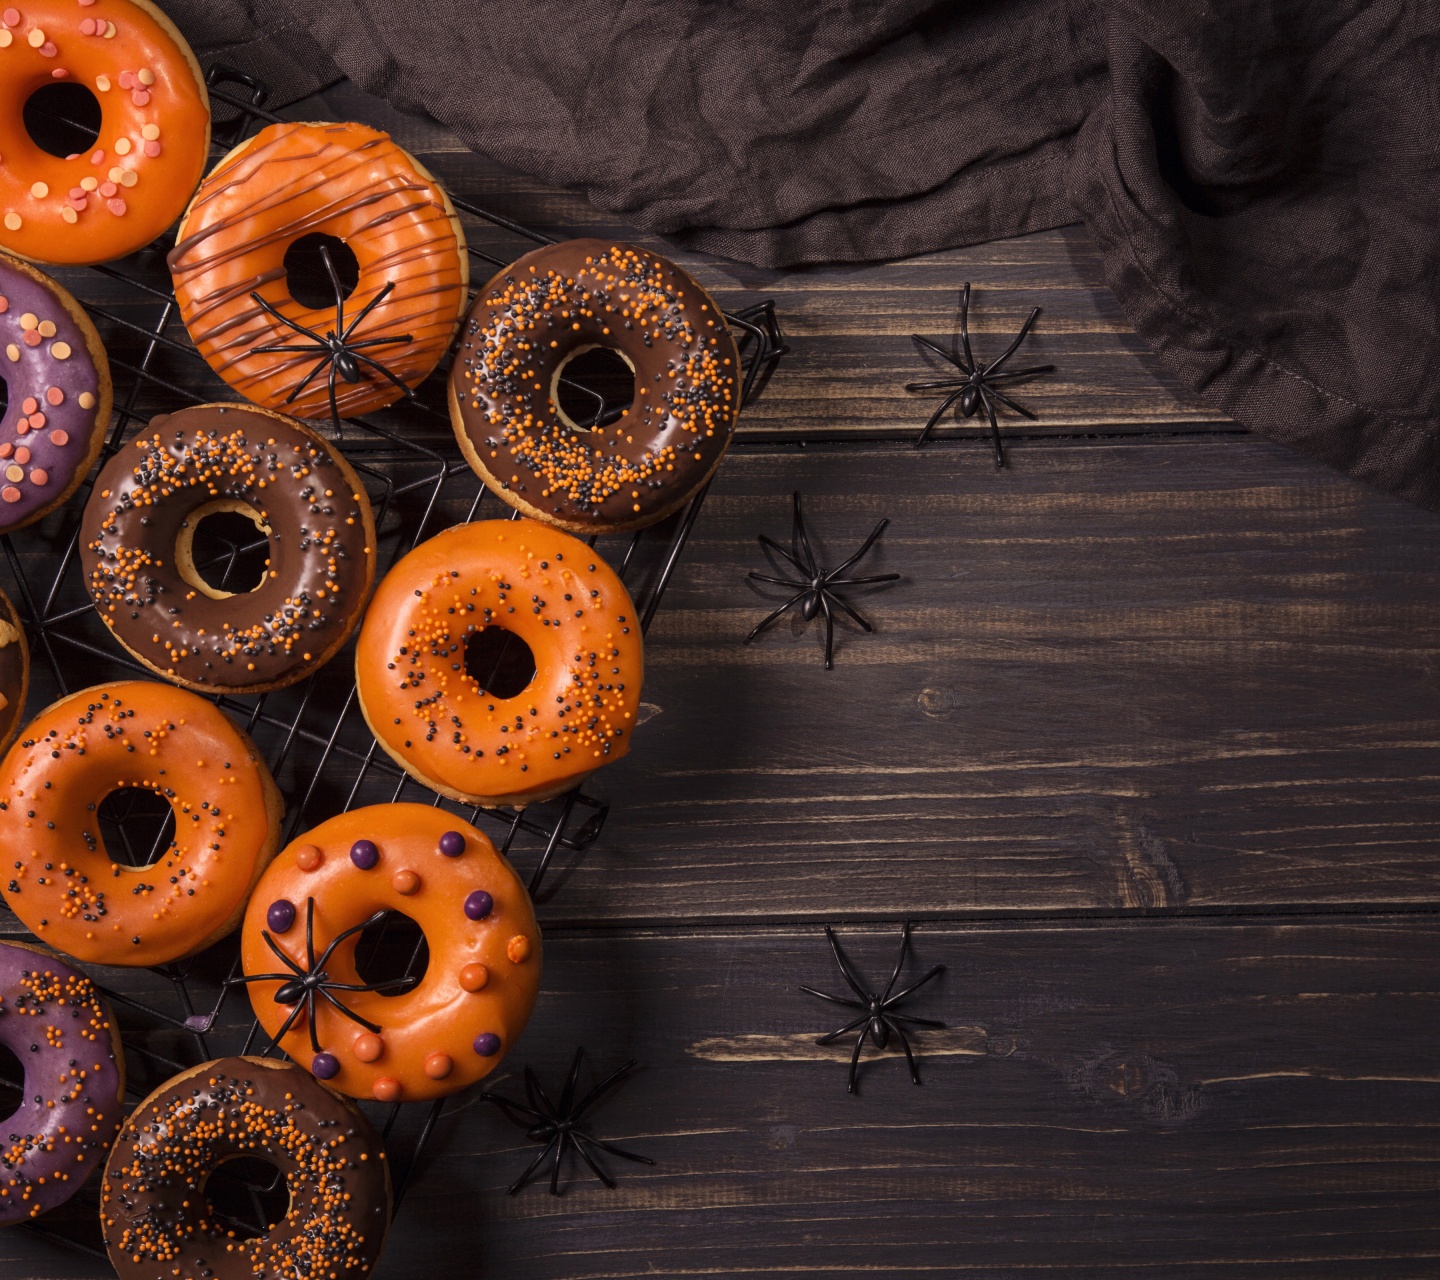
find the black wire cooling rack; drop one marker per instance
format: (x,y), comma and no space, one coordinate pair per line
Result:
(312,734)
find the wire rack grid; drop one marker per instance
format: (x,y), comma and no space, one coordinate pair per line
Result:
(312,734)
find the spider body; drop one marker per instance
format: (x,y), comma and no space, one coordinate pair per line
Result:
(979,387)
(561,1126)
(338,350)
(878,1019)
(816,589)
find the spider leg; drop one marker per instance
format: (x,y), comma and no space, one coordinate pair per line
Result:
(380,368)
(335,284)
(575,1141)
(284,347)
(948,385)
(915,986)
(404,337)
(604,1087)
(779,582)
(864,582)
(1009,351)
(829,630)
(340,937)
(1009,403)
(285,1026)
(840,1000)
(284,959)
(965,324)
(364,311)
(349,1013)
(855,1060)
(919,1022)
(940,351)
(515,1112)
(320,363)
(310,1020)
(847,970)
(285,320)
(909,1056)
(900,961)
(567,1094)
(371,986)
(259,977)
(770,617)
(849,1026)
(334,404)
(770,544)
(852,611)
(559,1157)
(994,429)
(612,1148)
(860,555)
(800,541)
(1035,371)
(937,415)
(539,1099)
(532,1167)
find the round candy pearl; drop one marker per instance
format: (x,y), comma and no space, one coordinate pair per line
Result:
(487,1044)
(452,844)
(386,1089)
(518,949)
(325,1066)
(308,857)
(479,905)
(281,915)
(364,854)
(439,1065)
(405,883)
(367,1047)
(473,977)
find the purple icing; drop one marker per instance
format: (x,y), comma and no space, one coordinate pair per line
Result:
(281,915)
(46,1038)
(487,1044)
(452,844)
(479,905)
(364,854)
(29,376)
(325,1066)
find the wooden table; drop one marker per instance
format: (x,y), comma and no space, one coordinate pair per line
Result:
(1145,742)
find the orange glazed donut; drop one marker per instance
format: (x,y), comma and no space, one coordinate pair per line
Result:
(134,180)
(342,180)
(442,603)
(59,878)
(300,933)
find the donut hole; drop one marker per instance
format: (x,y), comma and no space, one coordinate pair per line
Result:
(499,661)
(305,275)
(12,1083)
(247,1195)
(593,386)
(223,549)
(392,948)
(62,118)
(137,826)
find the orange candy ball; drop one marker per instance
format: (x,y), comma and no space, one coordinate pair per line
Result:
(473,977)
(368,1047)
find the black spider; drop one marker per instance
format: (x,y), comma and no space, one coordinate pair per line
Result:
(300,986)
(559,1127)
(977,388)
(817,587)
(338,350)
(877,1019)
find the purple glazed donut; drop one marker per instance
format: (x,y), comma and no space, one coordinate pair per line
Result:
(58,387)
(53,1020)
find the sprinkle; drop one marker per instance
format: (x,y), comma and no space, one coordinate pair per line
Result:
(152,149)
(145,76)
(60,74)
(29,320)
(140,97)
(109,31)
(10,493)
(12,222)
(69,212)
(116,206)
(22,455)
(11,17)
(87,400)
(39,190)
(129,178)
(32,338)
(126,79)
(4,304)
(46,328)
(29,405)
(12,472)
(37,38)
(5,39)
(12,351)
(59,438)
(102,83)
(6,449)
(518,949)
(122,148)
(150,132)
(115,174)
(88,183)
(48,49)
(61,350)
(39,475)
(108,188)
(35,421)
(54,395)
(97,157)
(89,27)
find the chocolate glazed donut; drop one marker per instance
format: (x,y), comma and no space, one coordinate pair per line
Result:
(524,328)
(137,548)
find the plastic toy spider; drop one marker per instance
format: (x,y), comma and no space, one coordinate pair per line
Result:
(816,591)
(300,986)
(878,1020)
(977,388)
(338,351)
(559,1127)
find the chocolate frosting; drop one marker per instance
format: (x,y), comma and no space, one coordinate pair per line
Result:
(53,1020)
(565,299)
(154,491)
(53,389)
(153,1209)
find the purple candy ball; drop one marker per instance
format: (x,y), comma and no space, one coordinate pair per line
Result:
(452,844)
(281,915)
(479,905)
(487,1044)
(325,1066)
(364,854)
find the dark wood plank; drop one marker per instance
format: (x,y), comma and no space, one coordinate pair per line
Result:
(1194,676)
(1167,1099)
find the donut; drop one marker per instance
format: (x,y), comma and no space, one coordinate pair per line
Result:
(55,1023)
(14,671)
(57,383)
(60,879)
(134,179)
(136,548)
(343,180)
(432,716)
(477,991)
(557,303)
(154,1213)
